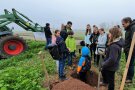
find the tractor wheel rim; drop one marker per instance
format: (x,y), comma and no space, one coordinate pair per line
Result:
(19,47)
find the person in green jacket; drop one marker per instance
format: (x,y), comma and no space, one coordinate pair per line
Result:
(71,45)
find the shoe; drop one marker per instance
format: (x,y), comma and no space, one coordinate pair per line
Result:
(103,84)
(63,78)
(128,81)
(65,72)
(70,67)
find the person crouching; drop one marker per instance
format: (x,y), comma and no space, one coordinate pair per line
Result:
(84,63)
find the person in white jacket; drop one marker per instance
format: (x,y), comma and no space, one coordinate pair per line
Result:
(88,35)
(101,44)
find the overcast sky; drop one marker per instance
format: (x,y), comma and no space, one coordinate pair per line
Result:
(80,12)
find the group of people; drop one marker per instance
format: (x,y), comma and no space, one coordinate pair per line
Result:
(97,44)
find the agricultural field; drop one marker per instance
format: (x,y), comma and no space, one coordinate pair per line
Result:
(25,71)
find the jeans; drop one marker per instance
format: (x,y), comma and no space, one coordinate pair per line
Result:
(61,67)
(130,73)
(48,41)
(108,78)
(70,57)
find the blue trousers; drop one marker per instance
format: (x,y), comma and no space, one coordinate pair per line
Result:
(70,57)
(61,67)
(48,41)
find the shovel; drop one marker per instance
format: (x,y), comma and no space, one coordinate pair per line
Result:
(99,75)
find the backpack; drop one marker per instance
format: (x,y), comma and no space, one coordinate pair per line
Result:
(87,65)
(54,52)
(64,34)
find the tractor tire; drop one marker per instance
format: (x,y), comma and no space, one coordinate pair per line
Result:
(12,46)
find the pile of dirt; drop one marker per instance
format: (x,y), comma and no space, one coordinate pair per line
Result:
(72,84)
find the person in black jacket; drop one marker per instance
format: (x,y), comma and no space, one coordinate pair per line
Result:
(48,34)
(63,51)
(129,26)
(65,29)
(112,59)
(94,39)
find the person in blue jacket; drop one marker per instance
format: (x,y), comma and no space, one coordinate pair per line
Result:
(84,62)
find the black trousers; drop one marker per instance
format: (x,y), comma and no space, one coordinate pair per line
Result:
(108,78)
(98,58)
(131,71)
(82,76)
(93,49)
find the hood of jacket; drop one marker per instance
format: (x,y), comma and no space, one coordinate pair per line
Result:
(133,23)
(85,51)
(119,41)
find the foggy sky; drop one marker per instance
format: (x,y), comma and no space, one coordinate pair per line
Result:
(80,12)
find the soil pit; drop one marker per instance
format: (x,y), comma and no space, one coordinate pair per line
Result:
(74,83)
(92,78)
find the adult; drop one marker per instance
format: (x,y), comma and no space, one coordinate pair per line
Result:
(94,39)
(87,35)
(101,44)
(129,26)
(118,26)
(113,55)
(65,30)
(48,34)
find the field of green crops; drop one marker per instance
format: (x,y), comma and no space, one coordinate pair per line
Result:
(25,72)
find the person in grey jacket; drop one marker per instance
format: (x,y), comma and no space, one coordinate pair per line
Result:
(101,44)
(112,59)
(129,26)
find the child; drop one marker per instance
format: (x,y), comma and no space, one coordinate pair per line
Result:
(113,55)
(54,43)
(71,45)
(62,51)
(84,62)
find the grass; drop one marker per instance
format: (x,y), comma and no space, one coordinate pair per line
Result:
(119,75)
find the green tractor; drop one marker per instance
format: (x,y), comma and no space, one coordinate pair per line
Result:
(12,45)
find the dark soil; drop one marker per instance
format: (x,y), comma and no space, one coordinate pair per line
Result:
(72,84)
(75,84)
